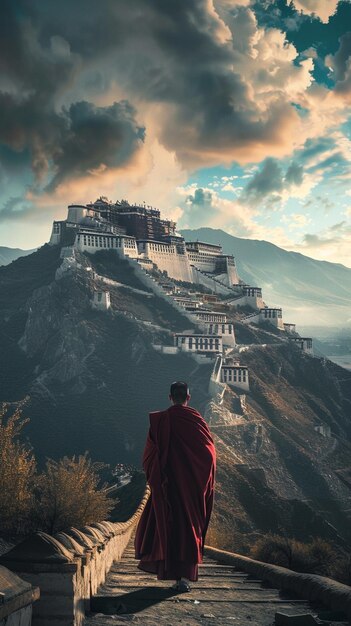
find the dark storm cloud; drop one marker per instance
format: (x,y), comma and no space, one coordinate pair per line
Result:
(96,136)
(169,53)
(69,143)
(37,66)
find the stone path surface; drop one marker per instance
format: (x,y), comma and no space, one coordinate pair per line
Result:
(223,595)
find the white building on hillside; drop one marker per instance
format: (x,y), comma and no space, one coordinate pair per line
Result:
(235,375)
(272,315)
(187,302)
(267,314)
(198,343)
(101,300)
(225,330)
(92,241)
(304,343)
(206,316)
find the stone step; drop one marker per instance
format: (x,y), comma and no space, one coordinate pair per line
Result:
(222,593)
(202,582)
(142,599)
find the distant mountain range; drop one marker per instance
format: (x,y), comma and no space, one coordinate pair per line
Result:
(7,255)
(312,293)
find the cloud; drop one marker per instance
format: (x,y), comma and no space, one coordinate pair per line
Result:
(332,243)
(57,141)
(17,208)
(296,220)
(128,100)
(204,207)
(271,187)
(267,180)
(323,9)
(340,63)
(233,101)
(69,143)
(294,174)
(96,138)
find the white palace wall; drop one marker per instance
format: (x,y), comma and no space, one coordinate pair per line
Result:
(94,241)
(165,256)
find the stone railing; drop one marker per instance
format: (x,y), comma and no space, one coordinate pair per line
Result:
(69,567)
(311,587)
(16,599)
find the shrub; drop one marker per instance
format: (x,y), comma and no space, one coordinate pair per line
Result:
(17,473)
(317,556)
(70,494)
(273,549)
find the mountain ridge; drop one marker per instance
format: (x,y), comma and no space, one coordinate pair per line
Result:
(7,254)
(308,290)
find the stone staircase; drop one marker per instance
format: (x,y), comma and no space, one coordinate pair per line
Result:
(223,595)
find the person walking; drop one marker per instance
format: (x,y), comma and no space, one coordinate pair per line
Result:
(179,461)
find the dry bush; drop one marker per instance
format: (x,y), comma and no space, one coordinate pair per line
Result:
(317,556)
(273,549)
(70,494)
(17,471)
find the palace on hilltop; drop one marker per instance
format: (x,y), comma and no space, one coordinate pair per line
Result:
(139,232)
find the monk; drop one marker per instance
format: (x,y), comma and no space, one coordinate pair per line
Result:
(179,462)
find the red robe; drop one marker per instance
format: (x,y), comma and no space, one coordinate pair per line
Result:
(180,462)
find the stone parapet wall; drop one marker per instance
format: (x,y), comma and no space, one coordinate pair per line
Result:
(16,599)
(69,568)
(311,587)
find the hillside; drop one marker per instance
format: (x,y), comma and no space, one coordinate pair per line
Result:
(92,377)
(311,292)
(7,255)
(276,474)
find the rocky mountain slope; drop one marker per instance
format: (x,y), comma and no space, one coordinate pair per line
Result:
(276,473)
(7,255)
(93,376)
(310,291)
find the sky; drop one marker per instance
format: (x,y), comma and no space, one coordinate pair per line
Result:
(232,114)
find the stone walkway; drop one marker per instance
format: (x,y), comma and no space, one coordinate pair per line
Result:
(222,596)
